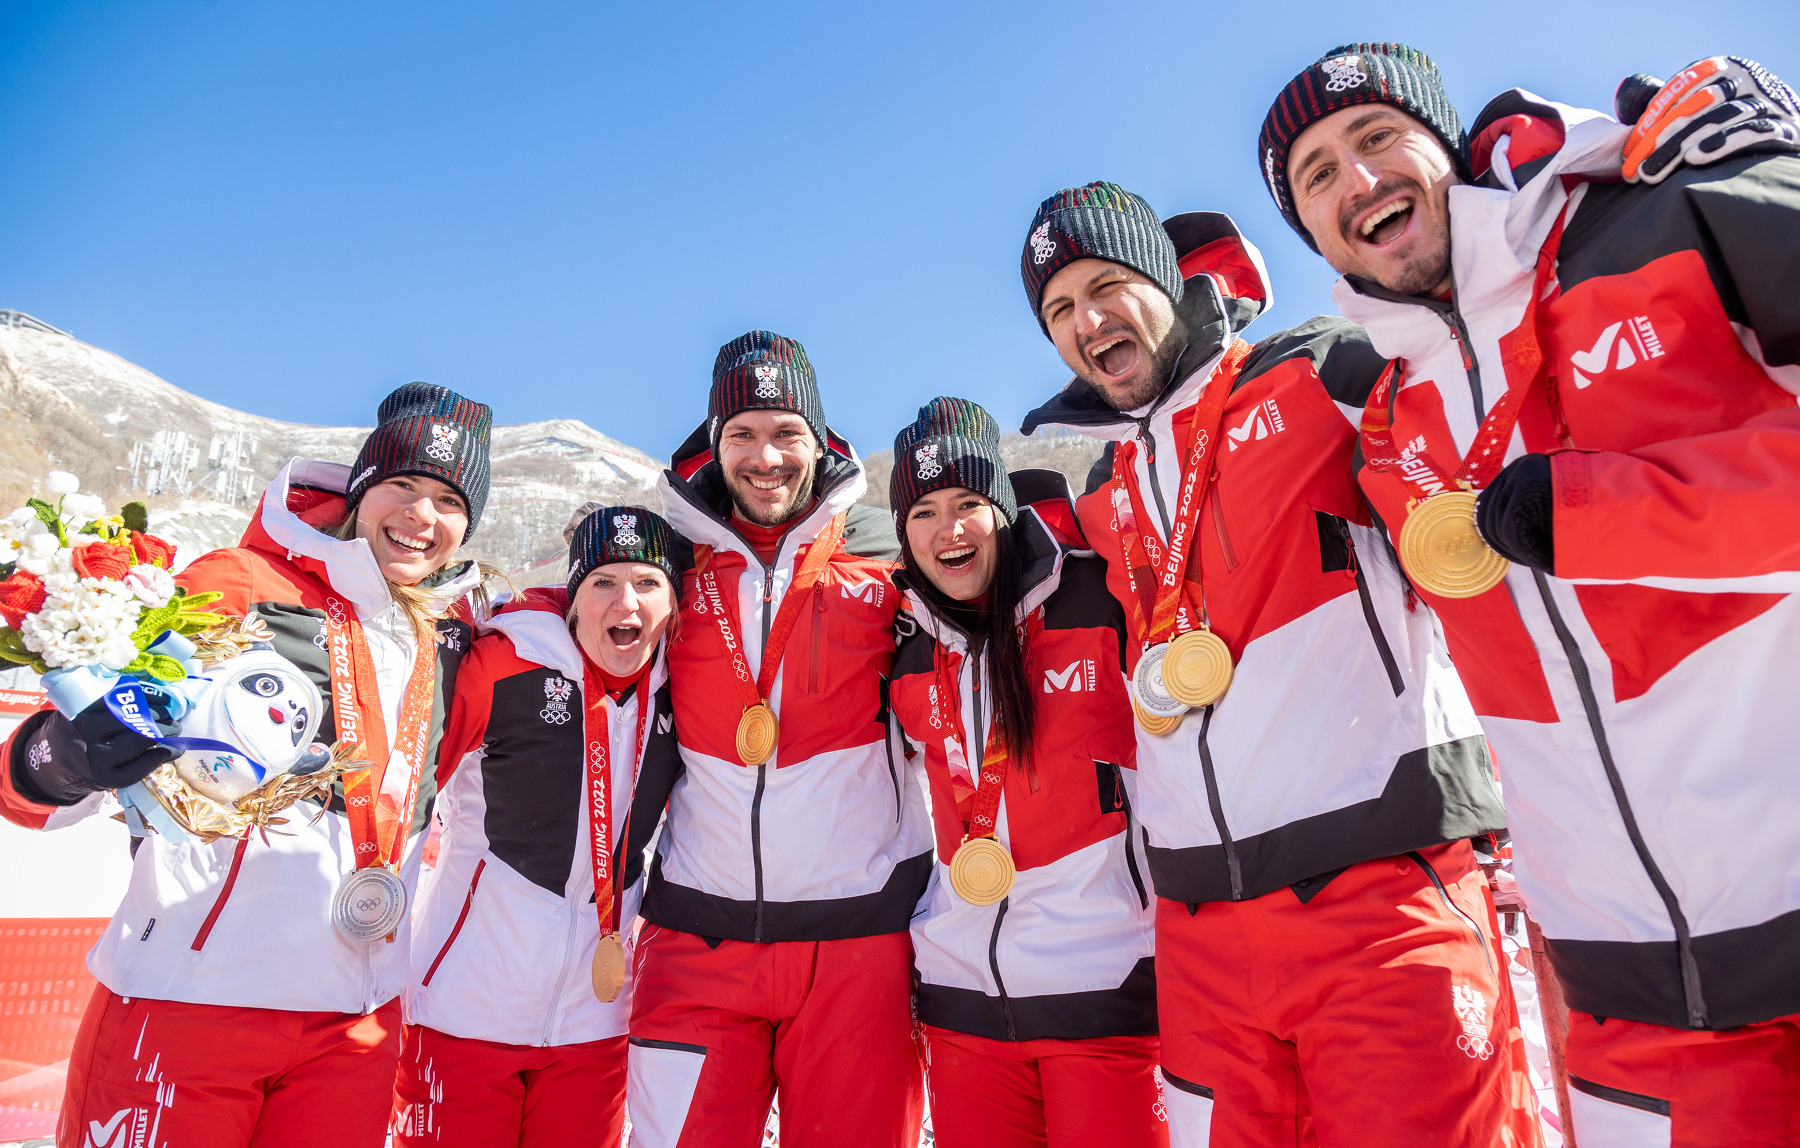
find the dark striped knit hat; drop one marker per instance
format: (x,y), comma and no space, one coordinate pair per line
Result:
(952,443)
(622,534)
(1348,75)
(433,431)
(1097,221)
(761,370)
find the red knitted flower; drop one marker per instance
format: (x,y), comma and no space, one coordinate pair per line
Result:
(20,595)
(101,560)
(149,550)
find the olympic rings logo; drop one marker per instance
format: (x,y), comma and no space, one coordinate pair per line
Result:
(554,717)
(371,904)
(1478,1047)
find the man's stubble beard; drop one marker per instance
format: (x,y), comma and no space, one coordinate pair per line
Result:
(1154,381)
(802,499)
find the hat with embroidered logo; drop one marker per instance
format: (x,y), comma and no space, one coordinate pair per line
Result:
(763,371)
(953,443)
(433,431)
(622,534)
(1348,75)
(1096,221)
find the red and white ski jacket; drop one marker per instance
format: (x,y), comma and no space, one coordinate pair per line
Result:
(247,922)
(1346,735)
(506,923)
(823,841)
(1068,953)
(1639,700)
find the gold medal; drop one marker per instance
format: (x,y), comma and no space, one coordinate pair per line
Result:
(982,871)
(609,968)
(1197,669)
(756,734)
(1152,724)
(1443,552)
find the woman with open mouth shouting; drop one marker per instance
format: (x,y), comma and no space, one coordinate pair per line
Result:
(557,762)
(1036,986)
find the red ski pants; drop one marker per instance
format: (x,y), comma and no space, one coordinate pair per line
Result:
(715,1032)
(1378,1012)
(1642,1084)
(156,1072)
(462,1093)
(1043,1093)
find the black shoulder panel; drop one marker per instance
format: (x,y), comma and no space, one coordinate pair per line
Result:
(1347,365)
(1082,601)
(531,775)
(869,533)
(661,768)
(913,655)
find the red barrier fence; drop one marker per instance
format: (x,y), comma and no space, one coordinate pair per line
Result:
(44,987)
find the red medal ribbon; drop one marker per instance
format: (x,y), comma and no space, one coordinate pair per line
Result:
(984,813)
(1171,609)
(1523,355)
(597,729)
(811,570)
(377,801)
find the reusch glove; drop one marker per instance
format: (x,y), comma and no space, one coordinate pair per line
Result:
(1716,107)
(1513,513)
(62,761)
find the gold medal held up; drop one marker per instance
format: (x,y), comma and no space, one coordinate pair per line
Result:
(982,871)
(756,733)
(609,968)
(1197,669)
(1443,552)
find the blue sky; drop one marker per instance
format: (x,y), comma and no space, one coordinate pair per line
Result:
(563,209)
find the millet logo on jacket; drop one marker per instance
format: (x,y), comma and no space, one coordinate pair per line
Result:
(557,692)
(1074,677)
(868,590)
(1263,419)
(1639,342)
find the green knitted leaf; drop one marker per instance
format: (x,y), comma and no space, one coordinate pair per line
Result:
(50,517)
(12,648)
(136,516)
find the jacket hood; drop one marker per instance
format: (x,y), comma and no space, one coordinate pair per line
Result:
(1533,152)
(697,503)
(535,622)
(303,501)
(1226,286)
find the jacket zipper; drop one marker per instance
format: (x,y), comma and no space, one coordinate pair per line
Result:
(1218,513)
(206,926)
(818,635)
(573,908)
(1012,1032)
(1684,944)
(456,928)
(1368,609)
(1438,884)
(762,771)
(1218,810)
(1149,438)
(1459,334)
(1130,857)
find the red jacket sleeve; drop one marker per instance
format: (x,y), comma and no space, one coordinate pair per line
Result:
(229,571)
(15,806)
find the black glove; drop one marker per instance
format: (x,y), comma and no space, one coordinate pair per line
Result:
(1713,108)
(1514,513)
(61,761)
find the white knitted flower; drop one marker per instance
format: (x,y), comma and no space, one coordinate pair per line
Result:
(61,482)
(80,509)
(83,622)
(153,585)
(41,555)
(21,524)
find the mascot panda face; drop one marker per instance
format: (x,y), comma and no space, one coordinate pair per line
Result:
(262,710)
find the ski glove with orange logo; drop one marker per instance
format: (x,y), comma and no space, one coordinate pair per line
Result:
(1717,107)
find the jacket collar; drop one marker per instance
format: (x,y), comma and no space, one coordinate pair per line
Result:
(1043,557)
(535,621)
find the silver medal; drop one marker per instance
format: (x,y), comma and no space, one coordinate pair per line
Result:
(1147,685)
(370,904)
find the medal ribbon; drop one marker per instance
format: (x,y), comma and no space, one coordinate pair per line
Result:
(597,729)
(377,801)
(1522,353)
(1170,611)
(984,813)
(811,570)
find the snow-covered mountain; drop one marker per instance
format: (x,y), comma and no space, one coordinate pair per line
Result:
(128,434)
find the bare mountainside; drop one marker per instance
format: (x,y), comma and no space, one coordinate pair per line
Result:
(1048,449)
(128,434)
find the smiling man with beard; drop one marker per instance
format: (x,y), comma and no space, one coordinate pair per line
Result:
(796,847)
(1310,771)
(1588,453)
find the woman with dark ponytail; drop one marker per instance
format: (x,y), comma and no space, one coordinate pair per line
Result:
(1036,986)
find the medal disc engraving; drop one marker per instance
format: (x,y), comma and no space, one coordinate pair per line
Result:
(756,734)
(609,968)
(370,904)
(1444,553)
(982,871)
(1197,669)
(1148,689)
(1156,726)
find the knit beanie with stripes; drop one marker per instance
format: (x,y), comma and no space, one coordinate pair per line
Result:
(622,534)
(763,371)
(433,431)
(1348,75)
(1096,221)
(953,443)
